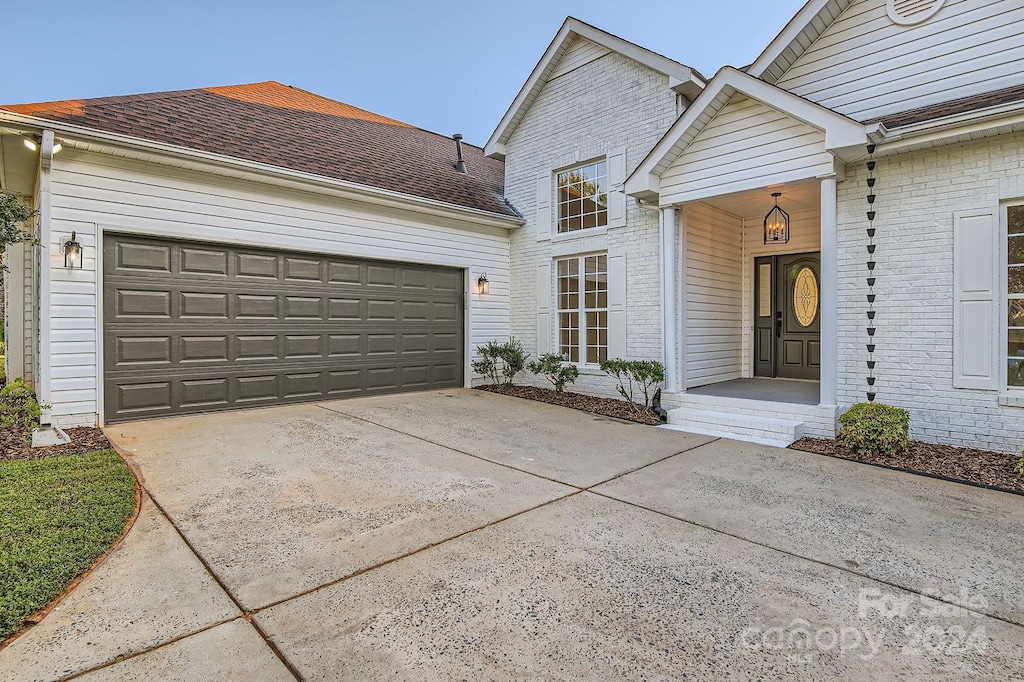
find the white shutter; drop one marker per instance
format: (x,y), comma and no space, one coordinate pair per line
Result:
(617,188)
(616,306)
(543,309)
(543,217)
(976,300)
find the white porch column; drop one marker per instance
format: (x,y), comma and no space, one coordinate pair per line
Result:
(829,291)
(669,286)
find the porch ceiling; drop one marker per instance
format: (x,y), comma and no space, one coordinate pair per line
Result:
(796,196)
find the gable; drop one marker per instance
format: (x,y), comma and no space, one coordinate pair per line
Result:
(681,79)
(747,145)
(580,53)
(867,63)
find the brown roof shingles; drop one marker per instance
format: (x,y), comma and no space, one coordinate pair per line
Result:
(287,127)
(953,107)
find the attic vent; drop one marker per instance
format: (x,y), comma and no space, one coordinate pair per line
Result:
(909,12)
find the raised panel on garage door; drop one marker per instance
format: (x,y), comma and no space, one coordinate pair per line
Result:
(196,327)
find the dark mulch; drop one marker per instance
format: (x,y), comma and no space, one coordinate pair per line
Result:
(608,407)
(980,467)
(15,443)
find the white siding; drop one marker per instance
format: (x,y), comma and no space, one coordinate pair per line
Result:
(582,51)
(128,196)
(864,65)
(748,145)
(805,237)
(713,293)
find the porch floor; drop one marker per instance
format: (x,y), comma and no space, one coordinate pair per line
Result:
(774,390)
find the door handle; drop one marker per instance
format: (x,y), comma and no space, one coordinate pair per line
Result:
(778,324)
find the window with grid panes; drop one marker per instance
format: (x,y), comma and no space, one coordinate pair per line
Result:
(1015,296)
(583,308)
(583,197)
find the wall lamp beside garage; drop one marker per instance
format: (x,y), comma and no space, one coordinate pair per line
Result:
(483,286)
(72,254)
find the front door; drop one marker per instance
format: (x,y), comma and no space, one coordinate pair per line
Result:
(787,316)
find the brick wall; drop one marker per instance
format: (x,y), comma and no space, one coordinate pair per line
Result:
(609,103)
(918,193)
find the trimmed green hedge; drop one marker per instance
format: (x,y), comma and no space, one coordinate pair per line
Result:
(875,429)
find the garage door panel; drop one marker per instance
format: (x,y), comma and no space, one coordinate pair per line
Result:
(193,327)
(196,261)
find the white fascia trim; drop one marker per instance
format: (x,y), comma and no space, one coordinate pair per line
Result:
(787,38)
(950,128)
(840,132)
(262,172)
(682,78)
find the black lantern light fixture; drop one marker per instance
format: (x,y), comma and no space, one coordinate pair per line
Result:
(483,286)
(72,254)
(776,223)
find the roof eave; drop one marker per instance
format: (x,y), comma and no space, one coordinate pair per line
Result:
(352,190)
(802,24)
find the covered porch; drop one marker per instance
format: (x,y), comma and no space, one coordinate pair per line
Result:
(750,305)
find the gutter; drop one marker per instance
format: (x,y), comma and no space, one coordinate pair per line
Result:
(937,130)
(268,173)
(43,352)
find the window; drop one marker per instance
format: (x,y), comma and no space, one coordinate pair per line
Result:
(1015,295)
(583,309)
(583,197)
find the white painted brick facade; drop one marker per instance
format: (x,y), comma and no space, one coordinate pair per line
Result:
(609,103)
(918,193)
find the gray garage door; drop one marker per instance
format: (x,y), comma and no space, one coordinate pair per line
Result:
(192,327)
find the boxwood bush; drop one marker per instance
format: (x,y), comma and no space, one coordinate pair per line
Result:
(875,429)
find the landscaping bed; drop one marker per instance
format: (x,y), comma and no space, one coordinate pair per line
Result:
(608,407)
(16,443)
(58,516)
(977,467)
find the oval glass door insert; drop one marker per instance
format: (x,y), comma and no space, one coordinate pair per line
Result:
(805,297)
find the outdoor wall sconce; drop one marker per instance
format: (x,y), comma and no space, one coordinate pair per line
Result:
(483,286)
(72,254)
(776,223)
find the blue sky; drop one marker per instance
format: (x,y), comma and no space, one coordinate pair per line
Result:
(450,66)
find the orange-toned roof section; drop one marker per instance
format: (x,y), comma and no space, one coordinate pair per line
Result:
(64,108)
(274,94)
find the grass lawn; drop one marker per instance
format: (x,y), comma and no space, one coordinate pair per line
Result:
(57,516)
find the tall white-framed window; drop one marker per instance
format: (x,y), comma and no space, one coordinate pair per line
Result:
(1015,296)
(583,308)
(583,196)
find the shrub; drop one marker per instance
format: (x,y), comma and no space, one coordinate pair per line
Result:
(499,360)
(18,406)
(1019,468)
(513,359)
(875,429)
(487,365)
(635,377)
(555,370)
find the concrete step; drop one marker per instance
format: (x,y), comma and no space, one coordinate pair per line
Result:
(753,428)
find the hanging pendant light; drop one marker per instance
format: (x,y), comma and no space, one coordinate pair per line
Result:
(776,223)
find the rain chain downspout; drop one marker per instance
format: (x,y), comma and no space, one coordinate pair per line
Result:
(871,273)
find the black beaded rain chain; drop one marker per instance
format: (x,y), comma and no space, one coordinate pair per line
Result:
(871,273)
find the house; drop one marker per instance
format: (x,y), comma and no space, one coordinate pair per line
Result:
(257,244)
(245,245)
(890,132)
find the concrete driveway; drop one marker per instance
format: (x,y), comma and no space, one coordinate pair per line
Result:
(467,535)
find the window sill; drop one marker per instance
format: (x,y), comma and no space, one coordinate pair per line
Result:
(589,370)
(1012,399)
(579,234)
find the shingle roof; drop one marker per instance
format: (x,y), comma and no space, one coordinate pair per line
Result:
(953,107)
(291,128)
